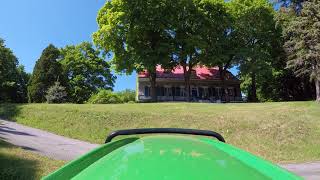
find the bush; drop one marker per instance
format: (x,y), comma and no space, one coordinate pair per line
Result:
(109,97)
(105,97)
(127,95)
(56,94)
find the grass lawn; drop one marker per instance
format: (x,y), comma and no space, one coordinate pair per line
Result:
(280,132)
(16,163)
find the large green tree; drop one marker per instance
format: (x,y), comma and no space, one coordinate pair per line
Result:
(280,84)
(138,34)
(221,37)
(45,73)
(8,72)
(302,44)
(199,30)
(13,78)
(187,30)
(86,70)
(255,22)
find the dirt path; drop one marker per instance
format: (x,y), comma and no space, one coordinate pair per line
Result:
(59,147)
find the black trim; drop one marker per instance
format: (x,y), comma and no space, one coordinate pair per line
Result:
(165,131)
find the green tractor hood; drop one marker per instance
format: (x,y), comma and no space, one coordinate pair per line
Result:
(169,157)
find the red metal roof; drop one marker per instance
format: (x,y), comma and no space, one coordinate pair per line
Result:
(200,72)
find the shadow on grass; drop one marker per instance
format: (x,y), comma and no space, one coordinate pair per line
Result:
(9,111)
(13,166)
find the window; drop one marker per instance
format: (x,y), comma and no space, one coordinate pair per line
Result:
(206,93)
(146,91)
(160,91)
(213,91)
(177,91)
(218,91)
(201,93)
(194,92)
(173,90)
(182,92)
(223,91)
(169,91)
(230,91)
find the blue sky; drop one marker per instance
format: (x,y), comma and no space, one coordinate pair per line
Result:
(29,26)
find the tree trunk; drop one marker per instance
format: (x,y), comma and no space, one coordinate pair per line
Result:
(317,83)
(222,77)
(153,90)
(253,95)
(187,73)
(187,84)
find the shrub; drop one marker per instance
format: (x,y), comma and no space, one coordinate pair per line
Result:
(105,97)
(108,97)
(56,94)
(127,95)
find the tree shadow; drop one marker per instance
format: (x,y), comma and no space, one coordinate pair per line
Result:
(9,111)
(14,166)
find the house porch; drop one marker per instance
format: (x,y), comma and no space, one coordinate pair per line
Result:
(199,92)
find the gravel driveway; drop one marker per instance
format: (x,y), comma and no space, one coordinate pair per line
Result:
(62,148)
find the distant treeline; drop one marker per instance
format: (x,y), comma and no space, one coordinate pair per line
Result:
(72,74)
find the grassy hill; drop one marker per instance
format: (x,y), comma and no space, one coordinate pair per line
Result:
(279,132)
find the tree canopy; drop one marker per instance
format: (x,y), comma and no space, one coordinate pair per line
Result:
(144,34)
(13,78)
(255,24)
(302,44)
(86,71)
(138,34)
(45,73)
